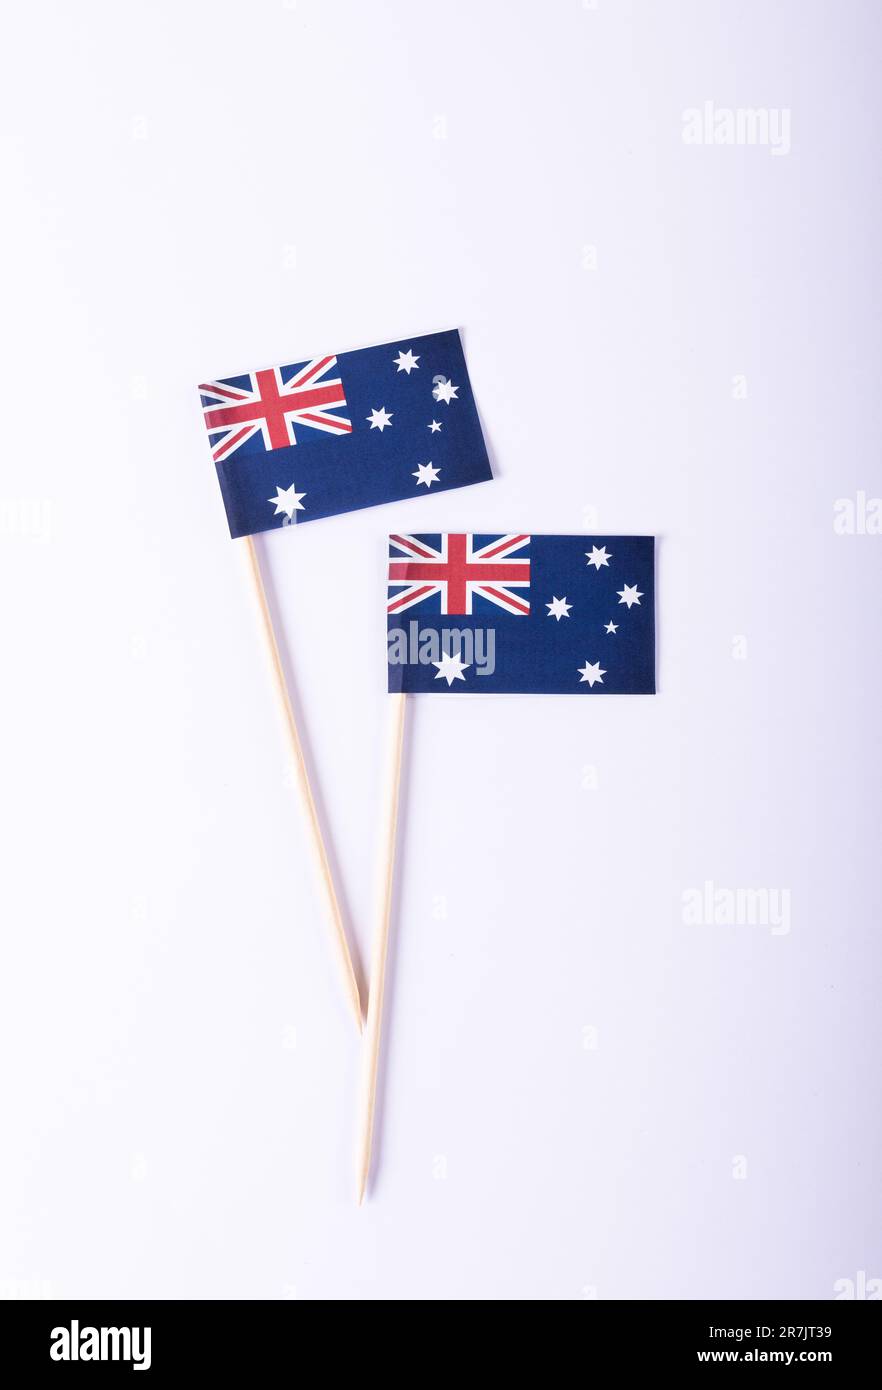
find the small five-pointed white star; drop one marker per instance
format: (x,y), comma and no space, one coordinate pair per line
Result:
(592,672)
(598,557)
(435,426)
(451,667)
(405,362)
(558,608)
(630,594)
(379,419)
(445,391)
(426,474)
(287,500)
(611,627)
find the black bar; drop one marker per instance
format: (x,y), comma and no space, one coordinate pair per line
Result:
(217,1338)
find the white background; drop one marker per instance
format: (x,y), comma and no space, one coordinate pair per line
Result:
(575,1077)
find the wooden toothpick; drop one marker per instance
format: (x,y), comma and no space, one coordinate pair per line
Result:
(335,918)
(373,1030)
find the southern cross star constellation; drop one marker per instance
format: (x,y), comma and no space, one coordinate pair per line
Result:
(444,390)
(599,557)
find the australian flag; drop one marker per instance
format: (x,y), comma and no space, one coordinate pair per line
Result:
(516,613)
(341,432)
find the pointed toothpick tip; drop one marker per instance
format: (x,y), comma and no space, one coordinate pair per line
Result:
(355,1001)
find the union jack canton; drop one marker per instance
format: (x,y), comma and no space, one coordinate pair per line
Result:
(270,406)
(460,572)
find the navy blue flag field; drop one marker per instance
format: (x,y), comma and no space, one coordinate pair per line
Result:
(499,614)
(337,433)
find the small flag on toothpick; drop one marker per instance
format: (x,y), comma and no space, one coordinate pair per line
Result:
(336,433)
(497,614)
(331,435)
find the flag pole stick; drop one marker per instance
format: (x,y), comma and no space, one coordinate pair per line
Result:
(335,917)
(379,953)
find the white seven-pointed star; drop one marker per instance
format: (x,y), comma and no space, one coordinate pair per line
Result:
(379,419)
(405,362)
(558,608)
(591,672)
(630,594)
(435,426)
(445,391)
(426,474)
(611,627)
(287,500)
(451,667)
(598,557)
